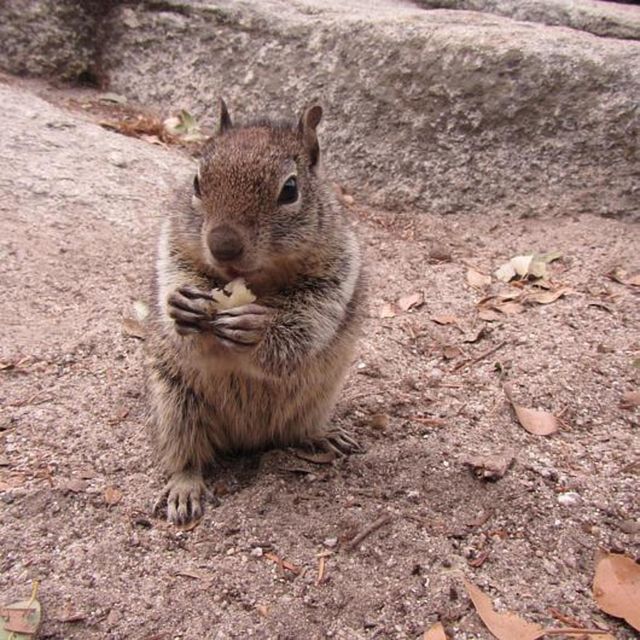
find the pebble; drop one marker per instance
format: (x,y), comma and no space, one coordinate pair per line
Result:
(257,552)
(569,498)
(330,542)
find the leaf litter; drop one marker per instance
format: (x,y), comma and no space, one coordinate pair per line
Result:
(535,421)
(616,587)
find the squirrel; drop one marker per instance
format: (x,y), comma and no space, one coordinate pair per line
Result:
(265,374)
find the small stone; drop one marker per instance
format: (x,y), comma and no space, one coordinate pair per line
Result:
(569,498)
(257,552)
(330,543)
(630,526)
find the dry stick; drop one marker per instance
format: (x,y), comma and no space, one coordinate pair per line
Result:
(483,355)
(374,526)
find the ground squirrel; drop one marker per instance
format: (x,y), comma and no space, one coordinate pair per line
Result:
(266,373)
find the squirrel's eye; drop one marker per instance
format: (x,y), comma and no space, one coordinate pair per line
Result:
(196,187)
(289,192)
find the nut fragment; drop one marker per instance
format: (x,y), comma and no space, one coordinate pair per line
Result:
(234,294)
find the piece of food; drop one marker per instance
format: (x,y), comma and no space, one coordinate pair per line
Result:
(234,294)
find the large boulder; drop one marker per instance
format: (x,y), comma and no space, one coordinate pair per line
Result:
(607,19)
(426,109)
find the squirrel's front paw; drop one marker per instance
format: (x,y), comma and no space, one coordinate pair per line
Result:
(182,496)
(191,309)
(242,327)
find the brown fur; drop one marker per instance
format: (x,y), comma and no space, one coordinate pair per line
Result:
(302,262)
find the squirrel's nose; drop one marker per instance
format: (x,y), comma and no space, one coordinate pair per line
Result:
(225,244)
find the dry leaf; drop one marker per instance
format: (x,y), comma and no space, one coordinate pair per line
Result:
(477,279)
(134,328)
(112,496)
(490,467)
(540,423)
(445,319)
(435,633)
(379,420)
(616,587)
(506,272)
(450,352)
(489,315)
(546,297)
(504,626)
(262,610)
(521,265)
(630,400)
(387,310)
(410,301)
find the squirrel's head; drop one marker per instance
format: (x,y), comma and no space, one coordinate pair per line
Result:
(257,195)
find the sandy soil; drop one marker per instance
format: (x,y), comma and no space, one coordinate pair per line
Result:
(79,212)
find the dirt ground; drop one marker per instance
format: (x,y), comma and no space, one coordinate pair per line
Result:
(79,212)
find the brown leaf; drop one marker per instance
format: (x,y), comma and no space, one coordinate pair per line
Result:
(410,301)
(450,352)
(490,467)
(489,315)
(540,423)
(387,310)
(112,496)
(630,400)
(436,632)
(616,587)
(504,626)
(477,279)
(134,328)
(445,319)
(476,335)
(546,297)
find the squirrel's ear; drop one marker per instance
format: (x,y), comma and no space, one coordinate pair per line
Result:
(309,121)
(225,119)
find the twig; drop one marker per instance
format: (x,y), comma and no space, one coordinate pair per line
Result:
(482,356)
(374,526)
(321,568)
(283,564)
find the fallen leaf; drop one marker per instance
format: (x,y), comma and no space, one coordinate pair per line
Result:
(630,400)
(477,279)
(436,632)
(504,626)
(262,610)
(449,352)
(112,496)
(410,301)
(521,264)
(445,319)
(134,328)
(540,423)
(489,315)
(546,297)
(387,310)
(616,587)
(506,272)
(490,467)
